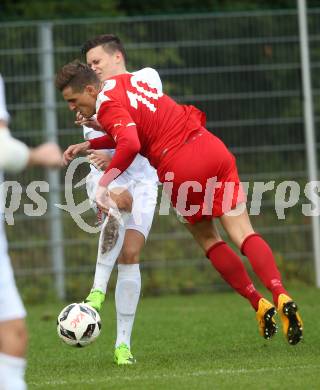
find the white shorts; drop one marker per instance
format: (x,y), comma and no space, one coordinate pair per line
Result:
(11,306)
(144,195)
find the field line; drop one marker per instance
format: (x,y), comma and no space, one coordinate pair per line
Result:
(220,371)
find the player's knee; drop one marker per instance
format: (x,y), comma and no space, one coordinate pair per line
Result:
(22,336)
(129,255)
(208,243)
(14,338)
(208,238)
(239,236)
(122,198)
(20,333)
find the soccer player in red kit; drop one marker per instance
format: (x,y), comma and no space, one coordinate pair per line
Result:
(198,172)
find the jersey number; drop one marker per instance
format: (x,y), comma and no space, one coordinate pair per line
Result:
(146,99)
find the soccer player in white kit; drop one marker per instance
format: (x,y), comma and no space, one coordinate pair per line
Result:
(106,56)
(14,156)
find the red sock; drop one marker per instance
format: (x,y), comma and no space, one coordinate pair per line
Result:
(231,268)
(263,263)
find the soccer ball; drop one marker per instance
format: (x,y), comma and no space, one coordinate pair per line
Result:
(78,324)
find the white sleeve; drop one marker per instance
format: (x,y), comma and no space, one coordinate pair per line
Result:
(3,109)
(151,76)
(156,80)
(14,154)
(86,132)
(89,133)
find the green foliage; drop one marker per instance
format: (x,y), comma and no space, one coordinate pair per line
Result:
(56,9)
(62,9)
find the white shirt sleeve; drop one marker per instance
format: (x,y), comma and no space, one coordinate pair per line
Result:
(14,154)
(89,133)
(151,76)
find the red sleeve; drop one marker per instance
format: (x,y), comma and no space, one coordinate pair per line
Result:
(116,120)
(103,142)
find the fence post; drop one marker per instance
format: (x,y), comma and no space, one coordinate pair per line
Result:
(50,127)
(311,145)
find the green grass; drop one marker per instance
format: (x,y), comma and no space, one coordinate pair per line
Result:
(180,342)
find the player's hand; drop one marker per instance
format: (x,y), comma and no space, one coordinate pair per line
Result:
(103,200)
(73,150)
(99,159)
(47,155)
(89,122)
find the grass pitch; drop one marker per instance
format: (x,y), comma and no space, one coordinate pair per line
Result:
(197,342)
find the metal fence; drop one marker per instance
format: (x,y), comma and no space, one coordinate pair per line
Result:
(242,69)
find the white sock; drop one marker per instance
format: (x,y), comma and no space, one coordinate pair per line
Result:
(102,276)
(110,244)
(12,372)
(127,297)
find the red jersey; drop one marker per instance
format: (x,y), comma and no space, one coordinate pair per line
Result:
(141,119)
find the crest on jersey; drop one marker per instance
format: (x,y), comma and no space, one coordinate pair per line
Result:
(109,84)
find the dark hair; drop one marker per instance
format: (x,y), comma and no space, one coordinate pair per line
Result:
(109,42)
(76,75)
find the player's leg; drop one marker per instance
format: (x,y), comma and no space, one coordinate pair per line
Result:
(127,293)
(260,256)
(211,167)
(13,333)
(232,270)
(110,243)
(128,286)
(216,162)
(224,259)
(13,343)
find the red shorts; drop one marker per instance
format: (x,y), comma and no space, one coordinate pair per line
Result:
(204,176)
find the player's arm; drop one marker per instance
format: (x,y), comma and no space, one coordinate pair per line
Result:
(91,123)
(116,120)
(103,142)
(15,155)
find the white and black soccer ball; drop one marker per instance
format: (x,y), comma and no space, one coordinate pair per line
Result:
(78,324)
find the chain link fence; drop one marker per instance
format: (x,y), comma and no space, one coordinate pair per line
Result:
(242,69)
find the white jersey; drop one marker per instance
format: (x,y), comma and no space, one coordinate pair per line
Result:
(11,306)
(140,168)
(14,155)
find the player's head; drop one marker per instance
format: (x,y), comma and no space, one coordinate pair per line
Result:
(79,86)
(105,55)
